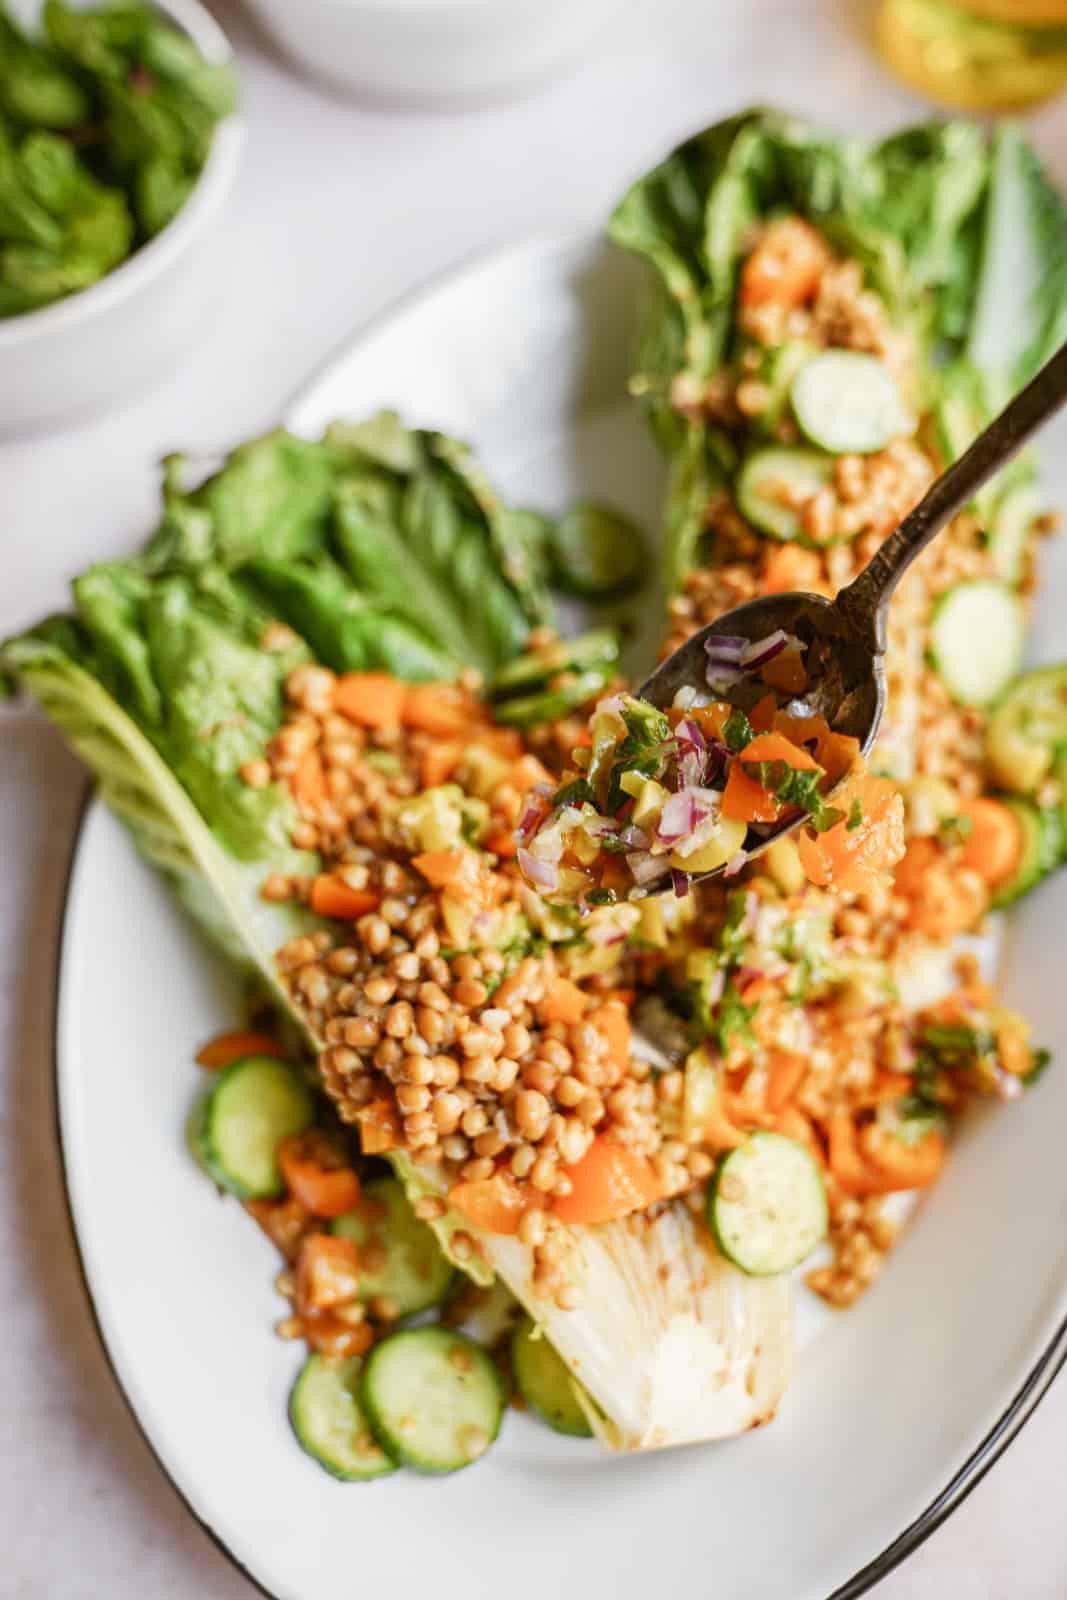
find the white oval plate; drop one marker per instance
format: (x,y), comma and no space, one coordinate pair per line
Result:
(895,1411)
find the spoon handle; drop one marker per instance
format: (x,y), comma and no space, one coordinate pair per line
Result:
(866,599)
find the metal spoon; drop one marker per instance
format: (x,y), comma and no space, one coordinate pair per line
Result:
(846,637)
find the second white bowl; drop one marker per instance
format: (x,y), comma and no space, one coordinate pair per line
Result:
(437,52)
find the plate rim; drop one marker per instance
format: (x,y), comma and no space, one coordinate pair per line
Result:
(1038,1379)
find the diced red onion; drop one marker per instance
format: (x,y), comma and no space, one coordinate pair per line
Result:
(734,865)
(684,812)
(606,934)
(692,753)
(543,873)
(716,986)
(760,651)
(725,649)
(680,881)
(537,808)
(718,759)
(646,868)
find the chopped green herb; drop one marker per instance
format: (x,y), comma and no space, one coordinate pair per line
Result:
(1042,1058)
(576,793)
(737,730)
(792,787)
(855,814)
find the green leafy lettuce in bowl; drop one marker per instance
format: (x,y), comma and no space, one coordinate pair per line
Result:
(119,143)
(106,120)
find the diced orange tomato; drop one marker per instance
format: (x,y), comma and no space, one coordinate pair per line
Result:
(285,1222)
(789,567)
(327,1273)
(334,1338)
(836,753)
(379,1127)
(786,672)
(609,1181)
(438,763)
(785,267)
(461,873)
(563,1002)
(317,1174)
(503,843)
(710,719)
(845,1161)
(1013,1051)
(793,1124)
(493,1204)
(855,859)
(372,699)
(443,709)
(890,1087)
(761,717)
(899,1164)
(615,874)
(612,1022)
(785,1074)
(994,845)
(527,773)
(229,1047)
(308,781)
(943,901)
(745,800)
(332,897)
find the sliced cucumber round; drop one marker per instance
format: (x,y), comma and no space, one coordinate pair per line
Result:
(434,1399)
(1041,841)
(849,403)
(976,639)
(329,1423)
(767,1205)
(413,1273)
(597,552)
(1027,728)
(1013,524)
(256,1103)
(545,1382)
(774,485)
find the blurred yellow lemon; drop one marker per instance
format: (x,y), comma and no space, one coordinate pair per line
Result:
(977,55)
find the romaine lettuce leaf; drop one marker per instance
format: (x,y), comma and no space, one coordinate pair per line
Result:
(963,236)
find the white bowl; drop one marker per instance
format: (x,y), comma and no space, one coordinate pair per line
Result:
(96,346)
(438,52)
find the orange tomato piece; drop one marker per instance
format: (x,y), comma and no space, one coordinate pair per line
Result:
(994,845)
(438,763)
(379,1127)
(317,1173)
(334,1338)
(285,1222)
(785,267)
(845,1161)
(900,1165)
(495,1205)
(789,567)
(308,781)
(503,843)
(372,699)
(612,1022)
(228,1047)
(609,1181)
(332,897)
(785,1074)
(443,709)
(744,799)
(786,672)
(854,859)
(327,1273)
(761,717)
(563,1002)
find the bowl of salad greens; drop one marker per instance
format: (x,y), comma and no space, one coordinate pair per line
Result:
(119,143)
